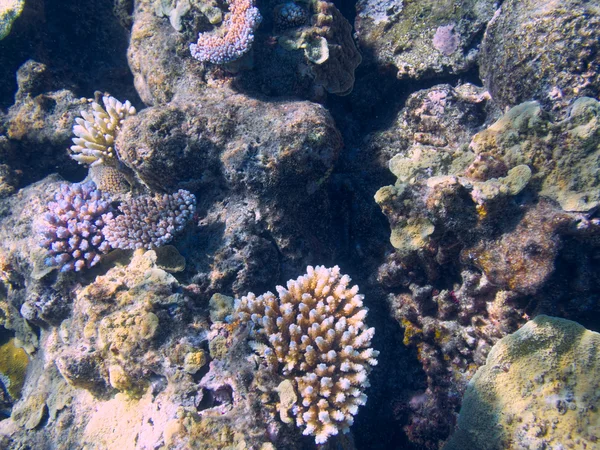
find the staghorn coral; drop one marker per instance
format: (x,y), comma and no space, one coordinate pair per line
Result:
(237,39)
(314,335)
(149,221)
(71,229)
(96,132)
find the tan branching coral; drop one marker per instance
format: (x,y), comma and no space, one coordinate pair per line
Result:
(96,131)
(314,335)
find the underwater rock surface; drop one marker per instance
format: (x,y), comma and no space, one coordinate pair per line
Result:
(444,155)
(422,39)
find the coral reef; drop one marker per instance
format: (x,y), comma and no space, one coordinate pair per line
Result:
(525,40)
(422,39)
(442,116)
(96,132)
(537,389)
(149,221)
(490,216)
(237,38)
(478,231)
(71,230)
(314,335)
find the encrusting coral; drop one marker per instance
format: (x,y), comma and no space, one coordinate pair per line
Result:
(96,131)
(237,39)
(71,229)
(315,336)
(149,221)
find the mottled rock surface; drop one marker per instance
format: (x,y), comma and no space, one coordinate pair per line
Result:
(422,39)
(553,45)
(538,388)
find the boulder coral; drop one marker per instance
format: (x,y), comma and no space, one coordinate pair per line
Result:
(527,40)
(539,388)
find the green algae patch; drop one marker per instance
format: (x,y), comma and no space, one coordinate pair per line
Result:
(13,365)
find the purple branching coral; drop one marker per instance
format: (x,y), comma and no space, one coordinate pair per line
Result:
(149,221)
(244,18)
(71,229)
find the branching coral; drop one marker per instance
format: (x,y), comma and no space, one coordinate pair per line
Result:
(149,221)
(71,229)
(314,335)
(244,18)
(96,131)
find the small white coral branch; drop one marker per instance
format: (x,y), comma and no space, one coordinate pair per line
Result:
(96,131)
(314,334)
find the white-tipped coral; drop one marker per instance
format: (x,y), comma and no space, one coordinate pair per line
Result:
(314,335)
(96,131)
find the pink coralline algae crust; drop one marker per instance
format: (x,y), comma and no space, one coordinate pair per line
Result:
(243,19)
(72,227)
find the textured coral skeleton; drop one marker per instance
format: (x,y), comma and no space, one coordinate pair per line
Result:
(96,131)
(235,38)
(314,335)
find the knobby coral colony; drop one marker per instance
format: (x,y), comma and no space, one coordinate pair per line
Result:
(314,335)
(96,131)
(149,221)
(72,228)
(235,40)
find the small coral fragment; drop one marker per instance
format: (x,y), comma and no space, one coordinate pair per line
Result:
(71,229)
(244,18)
(314,335)
(149,221)
(96,132)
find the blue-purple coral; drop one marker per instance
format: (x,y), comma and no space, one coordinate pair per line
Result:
(243,19)
(71,229)
(149,221)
